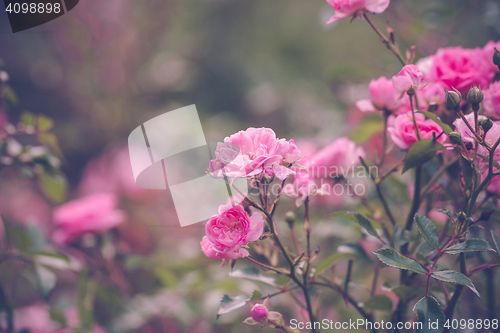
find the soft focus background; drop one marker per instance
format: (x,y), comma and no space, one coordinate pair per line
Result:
(108,66)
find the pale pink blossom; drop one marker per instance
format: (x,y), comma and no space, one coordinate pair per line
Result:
(491,101)
(229,232)
(347,8)
(461,68)
(383,96)
(255,152)
(94,213)
(409,77)
(403,134)
(336,159)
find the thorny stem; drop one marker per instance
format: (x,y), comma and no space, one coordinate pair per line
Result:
(392,47)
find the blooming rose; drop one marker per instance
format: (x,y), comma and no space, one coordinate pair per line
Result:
(409,77)
(491,101)
(254,152)
(346,8)
(94,213)
(383,96)
(335,159)
(402,130)
(461,68)
(229,232)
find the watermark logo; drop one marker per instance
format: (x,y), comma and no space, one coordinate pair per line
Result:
(171,151)
(26,14)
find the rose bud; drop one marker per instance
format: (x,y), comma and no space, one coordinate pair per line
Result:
(486,124)
(496,58)
(474,97)
(453,98)
(456,138)
(259,312)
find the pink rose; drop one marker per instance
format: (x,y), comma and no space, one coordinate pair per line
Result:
(461,68)
(94,213)
(491,101)
(336,159)
(462,129)
(229,232)
(494,186)
(255,152)
(346,8)
(383,96)
(489,50)
(303,186)
(403,134)
(259,312)
(409,77)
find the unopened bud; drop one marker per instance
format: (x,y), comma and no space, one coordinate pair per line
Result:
(496,58)
(486,124)
(474,97)
(461,216)
(290,217)
(453,98)
(469,145)
(456,138)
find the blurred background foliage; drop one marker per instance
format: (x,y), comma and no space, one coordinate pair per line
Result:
(108,66)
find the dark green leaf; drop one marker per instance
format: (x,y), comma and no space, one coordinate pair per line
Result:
(425,249)
(392,258)
(496,241)
(446,128)
(420,152)
(282,280)
(427,230)
(455,277)
(51,254)
(38,239)
(400,236)
(487,159)
(252,273)
(20,238)
(467,172)
(430,314)
(228,303)
(328,262)
(84,309)
(58,317)
(365,223)
(446,212)
(378,302)
(256,295)
(469,245)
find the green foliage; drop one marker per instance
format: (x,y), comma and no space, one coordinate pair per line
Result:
(455,277)
(400,236)
(392,258)
(428,311)
(446,128)
(58,317)
(255,295)
(420,152)
(496,241)
(378,302)
(53,186)
(228,303)
(470,245)
(427,230)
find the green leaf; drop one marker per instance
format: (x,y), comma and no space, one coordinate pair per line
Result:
(496,241)
(487,159)
(58,317)
(252,273)
(329,261)
(282,280)
(44,124)
(27,119)
(7,232)
(53,187)
(446,128)
(420,152)
(21,238)
(38,238)
(446,212)
(365,223)
(400,236)
(51,254)
(425,249)
(427,230)
(470,245)
(228,303)
(85,314)
(166,276)
(404,292)
(256,295)
(392,258)
(429,312)
(378,302)
(455,277)
(46,279)
(346,215)
(467,172)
